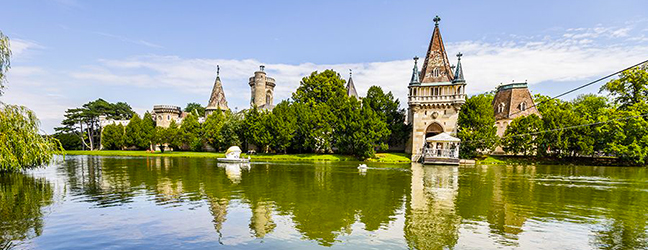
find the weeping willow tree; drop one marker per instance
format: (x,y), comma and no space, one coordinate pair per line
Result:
(21,144)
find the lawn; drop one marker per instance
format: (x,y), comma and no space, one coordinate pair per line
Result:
(380,157)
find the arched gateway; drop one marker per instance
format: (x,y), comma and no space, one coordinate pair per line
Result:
(435,95)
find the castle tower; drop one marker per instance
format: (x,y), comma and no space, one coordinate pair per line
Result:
(351,89)
(262,88)
(435,94)
(217,99)
(511,101)
(164,114)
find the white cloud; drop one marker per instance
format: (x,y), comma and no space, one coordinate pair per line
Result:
(20,47)
(128,40)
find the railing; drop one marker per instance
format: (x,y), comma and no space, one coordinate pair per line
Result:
(440,153)
(440,98)
(166,107)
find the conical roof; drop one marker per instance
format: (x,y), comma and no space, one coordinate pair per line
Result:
(415,72)
(436,67)
(351,89)
(459,76)
(217,98)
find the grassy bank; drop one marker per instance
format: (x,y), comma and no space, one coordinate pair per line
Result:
(528,160)
(380,157)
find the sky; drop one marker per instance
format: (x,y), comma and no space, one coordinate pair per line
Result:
(69,52)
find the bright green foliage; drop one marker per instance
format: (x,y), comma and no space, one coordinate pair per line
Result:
(231,133)
(172,136)
(389,112)
(631,87)
(195,109)
(84,121)
(113,137)
(282,123)
(69,141)
(592,109)
(148,129)
(5,55)
(320,88)
(135,135)
(212,130)
(476,126)
(556,140)
(314,131)
(21,145)
(628,134)
(359,130)
(256,129)
(190,133)
(519,136)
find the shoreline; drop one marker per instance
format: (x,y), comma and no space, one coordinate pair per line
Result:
(396,158)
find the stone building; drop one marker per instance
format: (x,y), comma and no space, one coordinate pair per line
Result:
(511,101)
(350,88)
(262,89)
(436,95)
(217,99)
(164,114)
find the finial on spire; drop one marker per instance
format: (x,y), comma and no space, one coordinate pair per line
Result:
(436,20)
(350,73)
(416,59)
(459,55)
(217,70)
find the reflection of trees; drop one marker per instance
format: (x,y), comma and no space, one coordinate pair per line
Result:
(324,201)
(21,200)
(431,221)
(505,196)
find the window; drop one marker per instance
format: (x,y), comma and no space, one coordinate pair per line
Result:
(500,108)
(168,117)
(523,106)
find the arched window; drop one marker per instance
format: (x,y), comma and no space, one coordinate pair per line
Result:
(523,106)
(168,117)
(459,90)
(500,108)
(268,98)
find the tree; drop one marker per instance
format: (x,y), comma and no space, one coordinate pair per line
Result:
(628,134)
(84,121)
(189,133)
(69,141)
(592,109)
(282,123)
(320,87)
(135,136)
(112,137)
(255,128)
(171,135)
(630,88)
(231,132)
(5,62)
(521,135)
(148,130)
(359,130)
(389,112)
(212,130)
(21,146)
(476,126)
(195,108)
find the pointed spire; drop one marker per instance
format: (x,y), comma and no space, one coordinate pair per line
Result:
(459,76)
(217,98)
(351,90)
(415,72)
(436,67)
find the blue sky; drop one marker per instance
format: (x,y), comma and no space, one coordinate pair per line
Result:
(69,52)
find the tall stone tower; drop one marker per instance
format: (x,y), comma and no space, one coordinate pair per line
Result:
(217,99)
(262,88)
(435,94)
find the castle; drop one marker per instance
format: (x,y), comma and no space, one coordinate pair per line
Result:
(435,96)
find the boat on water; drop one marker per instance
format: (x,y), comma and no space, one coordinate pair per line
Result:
(233,155)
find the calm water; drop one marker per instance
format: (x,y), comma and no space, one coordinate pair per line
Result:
(168,203)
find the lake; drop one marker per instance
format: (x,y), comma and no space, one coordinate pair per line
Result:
(92,202)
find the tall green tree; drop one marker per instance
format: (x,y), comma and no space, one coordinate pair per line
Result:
(388,110)
(134,136)
(521,135)
(282,123)
(113,136)
(255,127)
(231,132)
(190,133)
(5,56)
(359,130)
(320,88)
(630,88)
(195,108)
(476,126)
(148,130)
(212,130)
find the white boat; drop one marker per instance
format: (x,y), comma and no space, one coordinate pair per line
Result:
(233,155)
